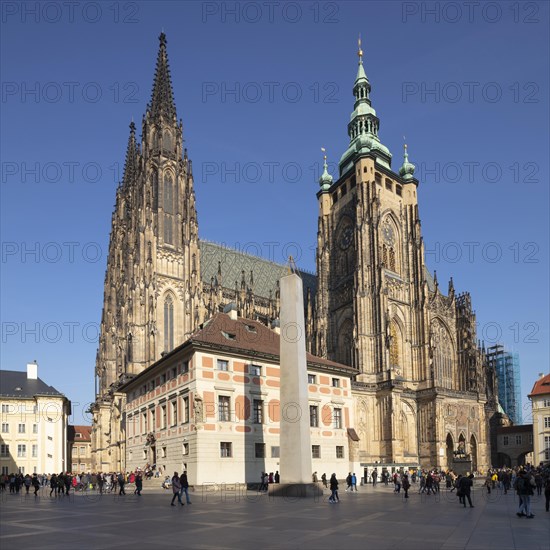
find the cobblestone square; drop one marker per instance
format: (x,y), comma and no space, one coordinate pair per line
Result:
(372,518)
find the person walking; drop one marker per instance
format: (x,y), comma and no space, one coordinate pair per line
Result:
(547,492)
(53,484)
(36,484)
(374,476)
(334,489)
(121,483)
(465,487)
(184,482)
(353,482)
(348,482)
(524,487)
(406,485)
(324,480)
(176,488)
(139,484)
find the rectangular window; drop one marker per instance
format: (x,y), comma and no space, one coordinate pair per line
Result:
(222,365)
(225,449)
(4,470)
(275,452)
(337,419)
(34,451)
(82,451)
(258,411)
(6,409)
(74,467)
(505,440)
(163,418)
(518,439)
(153,419)
(223,408)
(185,449)
(4,450)
(185,411)
(259,450)
(21,451)
(255,370)
(185,367)
(163,452)
(311,379)
(144,420)
(35,429)
(174,407)
(339,451)
(163,378)
(316,451)
(314,416)
(547,421)
(547,447)
(5,427)
(173,373)
(335,382)
(21,428)
(21,469)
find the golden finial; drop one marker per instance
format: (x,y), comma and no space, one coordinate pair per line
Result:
(359,51)
(324,153)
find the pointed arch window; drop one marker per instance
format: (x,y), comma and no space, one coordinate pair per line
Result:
(168,206)
(168,323)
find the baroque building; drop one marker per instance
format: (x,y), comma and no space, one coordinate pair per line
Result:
(422,389)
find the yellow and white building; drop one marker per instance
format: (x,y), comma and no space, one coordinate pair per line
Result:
(33,431)
(540,402)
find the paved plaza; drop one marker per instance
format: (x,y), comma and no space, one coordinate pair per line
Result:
(372,518)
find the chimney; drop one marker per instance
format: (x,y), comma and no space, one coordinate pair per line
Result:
(231,310)
(276,326)
(32,370)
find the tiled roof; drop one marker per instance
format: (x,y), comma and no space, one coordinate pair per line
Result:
(541,387)
(246,336)
(16,384)
(513,429)
(234,262)
(84,431)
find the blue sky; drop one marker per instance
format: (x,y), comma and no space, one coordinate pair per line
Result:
(260,90)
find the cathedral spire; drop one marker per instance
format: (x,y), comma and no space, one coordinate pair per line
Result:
(364,124)
(162,97)
(325,181)
(407,169)
(131,162)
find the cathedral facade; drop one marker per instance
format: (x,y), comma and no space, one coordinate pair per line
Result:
(422,389)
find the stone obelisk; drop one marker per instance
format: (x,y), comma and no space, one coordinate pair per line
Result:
(295,439)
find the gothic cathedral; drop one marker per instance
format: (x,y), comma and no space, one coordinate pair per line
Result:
(423,390)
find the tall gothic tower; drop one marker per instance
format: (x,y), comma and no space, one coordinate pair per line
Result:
(379,309)
(153,290)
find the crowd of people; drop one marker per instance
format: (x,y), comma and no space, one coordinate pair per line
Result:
(65,482)
(523,480)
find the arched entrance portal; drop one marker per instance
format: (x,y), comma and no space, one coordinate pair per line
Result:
(450,446)
(473,452)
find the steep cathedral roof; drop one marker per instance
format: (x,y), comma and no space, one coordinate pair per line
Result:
(234,262)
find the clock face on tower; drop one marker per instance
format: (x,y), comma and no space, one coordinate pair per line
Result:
(346,237)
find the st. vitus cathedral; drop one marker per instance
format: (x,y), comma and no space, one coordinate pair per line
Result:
(423,393)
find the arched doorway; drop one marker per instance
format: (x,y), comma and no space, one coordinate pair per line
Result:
(450,451)
(473,452)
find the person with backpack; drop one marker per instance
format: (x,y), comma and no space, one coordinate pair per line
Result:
(465,487)
(524,489)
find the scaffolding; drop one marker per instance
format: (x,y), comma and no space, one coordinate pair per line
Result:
(506,366)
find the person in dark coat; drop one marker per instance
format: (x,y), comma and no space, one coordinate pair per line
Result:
(334,489)
(406,485)
(184,482)
(176,488)
(36,484)
(465,487)
(139,484)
